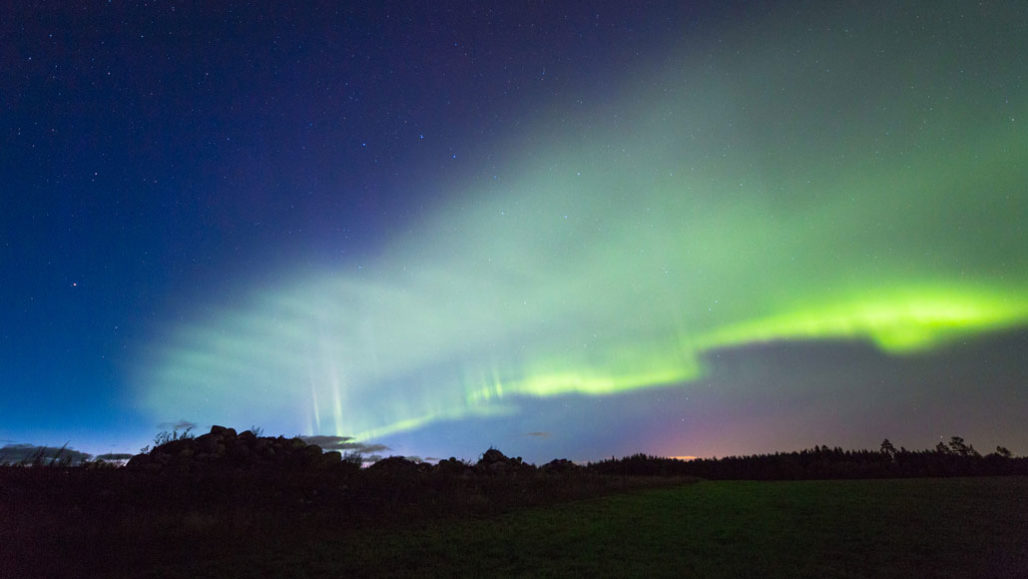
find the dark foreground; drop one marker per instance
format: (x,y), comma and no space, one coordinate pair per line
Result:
(955,527)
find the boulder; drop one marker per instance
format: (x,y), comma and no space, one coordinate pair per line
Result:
(492,456)
(452,466)
(138,462)
(222,431)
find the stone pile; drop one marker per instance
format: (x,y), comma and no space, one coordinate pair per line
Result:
(223,448)
(495,462)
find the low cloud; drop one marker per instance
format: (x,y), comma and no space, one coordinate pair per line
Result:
(344,443)
(359,447)
(114,456)
(31,454)
(328,442)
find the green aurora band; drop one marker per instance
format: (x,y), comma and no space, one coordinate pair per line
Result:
(796,180)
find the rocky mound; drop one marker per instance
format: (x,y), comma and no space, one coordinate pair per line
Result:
(223,448)
(495,462)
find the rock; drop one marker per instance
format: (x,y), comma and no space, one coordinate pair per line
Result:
(176,446)
(138,462)
(395,466)
(495,462)
(222,448)
(220,430)
(492,456)
(452,466)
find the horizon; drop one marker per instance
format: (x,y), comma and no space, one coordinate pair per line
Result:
(17,454)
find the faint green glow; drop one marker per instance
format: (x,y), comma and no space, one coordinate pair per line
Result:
(750,192)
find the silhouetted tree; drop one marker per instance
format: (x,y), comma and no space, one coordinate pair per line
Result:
(888,448)
(960,447)
(822,462)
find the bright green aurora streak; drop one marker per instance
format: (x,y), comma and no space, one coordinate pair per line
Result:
(837,177)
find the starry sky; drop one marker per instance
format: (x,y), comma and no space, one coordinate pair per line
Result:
(561,229)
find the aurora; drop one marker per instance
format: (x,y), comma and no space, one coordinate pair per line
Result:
(761,187)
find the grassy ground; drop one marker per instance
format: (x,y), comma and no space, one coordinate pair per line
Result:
(874,528)
(963,527)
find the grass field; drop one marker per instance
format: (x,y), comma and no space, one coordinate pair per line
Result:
(967,527)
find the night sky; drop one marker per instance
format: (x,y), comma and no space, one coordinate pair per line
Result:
(561,229)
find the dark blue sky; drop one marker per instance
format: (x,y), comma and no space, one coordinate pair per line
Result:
(168,165)
(152,150)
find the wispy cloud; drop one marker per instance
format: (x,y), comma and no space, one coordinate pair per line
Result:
(538,434)
(110,456)
(181,425)
(345,443)
(28,453)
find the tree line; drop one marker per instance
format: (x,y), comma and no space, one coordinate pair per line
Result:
(955,458)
